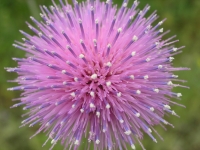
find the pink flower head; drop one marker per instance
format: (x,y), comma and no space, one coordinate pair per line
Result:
(96,72)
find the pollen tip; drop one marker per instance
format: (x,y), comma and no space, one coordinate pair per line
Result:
(98,114)
(137,114)
(179,94)
(149,130)
(138,92)
(119,30)
(169,83)
(92,105)
(148,59)
(146,77)
(160,66)
(121,121)
(92,93)
(156,90)
(152,109)
(135,38)
(133,146)
(108,83)
(175,49)
(76,142)
(128,132)
(119,94)
(109,64)
(167,107)
(133,53)
(81,56)
(107,106)
(132,77)
(97,141)
(73,94)
(93,76)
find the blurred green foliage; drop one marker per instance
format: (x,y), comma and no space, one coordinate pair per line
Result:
(183,19)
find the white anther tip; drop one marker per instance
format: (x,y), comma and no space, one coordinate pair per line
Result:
(40,34)
(75,79)
(131,17)
(149,130)
(68,62)
(92,8)
(157,43)
(121,121)
(73,94)
(146,77)
(135,2)
(92,105)
(97,141)
(47,124)
(76,142)
(107,1)
(148,59)
(63,71)
(138,92)
(128,132)
(119,30)
(175,49)
(108,83)
(97,21)
(175,76)
(81,56)
(167,107)
(92,94)
(132,77)
(173,112)
(94,76)
(137,114)
(160,66)
(64,82)
(119,94)
(152,109)
(135,38)
(179,94)
(109,64)
(133,53)
(161,30)
(156,90)
(81,110)
(133,146)
(109,45)
(107,106)
(171,59)
(161,22)
(125,4)
(53,141)
(155,140)
(95,41)
(98,114)
(169,83)
(165,122)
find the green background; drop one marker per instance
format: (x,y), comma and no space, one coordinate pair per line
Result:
(183,19)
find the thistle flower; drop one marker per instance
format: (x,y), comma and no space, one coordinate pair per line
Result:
(96,72)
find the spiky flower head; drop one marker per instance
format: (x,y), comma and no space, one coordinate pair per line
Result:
(96,72)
